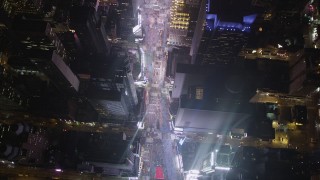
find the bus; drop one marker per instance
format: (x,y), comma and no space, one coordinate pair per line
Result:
(159,173)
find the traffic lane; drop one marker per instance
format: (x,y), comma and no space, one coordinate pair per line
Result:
(164,155)
(168,142)
(148,65)
(169,155)
(165,115)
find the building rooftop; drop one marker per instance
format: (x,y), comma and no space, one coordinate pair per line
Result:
(100,94)
(230,10)
(219,81)
(25,25)
(109,148)
(80,14)
(193,154)
(220,118)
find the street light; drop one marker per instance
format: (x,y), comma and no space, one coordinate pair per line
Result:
(58,170)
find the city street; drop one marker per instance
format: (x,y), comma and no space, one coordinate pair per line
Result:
(158,147)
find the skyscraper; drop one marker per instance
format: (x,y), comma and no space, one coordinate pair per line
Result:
(226,31)
(183,21)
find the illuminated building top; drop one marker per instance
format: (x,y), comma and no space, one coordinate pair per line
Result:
(179,18)
(213,22)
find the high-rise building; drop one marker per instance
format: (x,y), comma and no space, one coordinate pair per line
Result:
(221,95)
(225,34)
(113,154)
(111,90)
(217,95)
(89,30)
(12,7)
(64,73)
(36,70)
(184,18)
(304,72)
